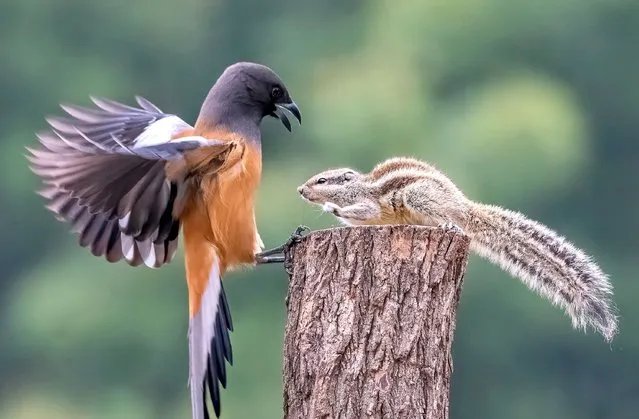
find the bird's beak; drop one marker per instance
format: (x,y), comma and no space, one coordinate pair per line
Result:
(281,115)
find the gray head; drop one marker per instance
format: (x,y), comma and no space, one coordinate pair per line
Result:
(329,186)
(244,94)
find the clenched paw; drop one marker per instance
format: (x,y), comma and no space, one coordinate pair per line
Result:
(451,226)
(331,208)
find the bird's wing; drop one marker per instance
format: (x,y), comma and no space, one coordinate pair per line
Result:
(105,173)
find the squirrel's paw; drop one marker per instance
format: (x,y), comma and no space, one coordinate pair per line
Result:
(331,208)
(451,226)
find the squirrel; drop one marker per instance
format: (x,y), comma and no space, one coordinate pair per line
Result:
(404,190)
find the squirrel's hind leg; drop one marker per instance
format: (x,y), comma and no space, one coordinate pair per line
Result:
(451,226)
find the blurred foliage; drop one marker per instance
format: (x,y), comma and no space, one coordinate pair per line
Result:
(533,105)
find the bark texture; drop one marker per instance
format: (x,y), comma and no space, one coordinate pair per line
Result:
(371,319)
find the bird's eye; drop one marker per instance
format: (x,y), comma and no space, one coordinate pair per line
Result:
(321,180)
(276,92)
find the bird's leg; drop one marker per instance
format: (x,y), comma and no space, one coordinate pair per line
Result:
(277,254)
(280,254)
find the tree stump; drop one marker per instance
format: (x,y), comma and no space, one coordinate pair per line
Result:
(371,319)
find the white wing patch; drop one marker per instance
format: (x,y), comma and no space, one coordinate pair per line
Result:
(128,249)
(161,131)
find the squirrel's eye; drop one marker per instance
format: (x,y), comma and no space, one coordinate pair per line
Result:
(321,180)
(276,92)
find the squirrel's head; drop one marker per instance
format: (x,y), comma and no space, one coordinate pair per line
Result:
(328,186)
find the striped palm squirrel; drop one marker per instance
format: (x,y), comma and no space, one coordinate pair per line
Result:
(404,190)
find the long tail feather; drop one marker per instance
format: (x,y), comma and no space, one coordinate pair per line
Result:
(209,345)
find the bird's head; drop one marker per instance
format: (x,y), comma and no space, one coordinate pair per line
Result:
(254,90)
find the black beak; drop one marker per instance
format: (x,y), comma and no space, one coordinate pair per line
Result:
(281,115)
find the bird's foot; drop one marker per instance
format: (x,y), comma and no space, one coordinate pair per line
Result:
(281,253)
(451,226)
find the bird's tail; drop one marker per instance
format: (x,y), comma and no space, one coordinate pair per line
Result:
(209,345)
(546,263)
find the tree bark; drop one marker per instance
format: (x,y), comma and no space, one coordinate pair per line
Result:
(371,319)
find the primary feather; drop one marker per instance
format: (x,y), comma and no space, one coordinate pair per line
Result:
(104,173)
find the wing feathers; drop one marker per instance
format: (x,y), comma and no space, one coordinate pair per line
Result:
(113,106)
(165,225)
(171,249)
(110,187)
(146,105)
(158,198)
(114,251)
(90,230)
(100,243)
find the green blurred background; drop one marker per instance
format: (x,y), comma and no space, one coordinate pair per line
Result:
(533,105)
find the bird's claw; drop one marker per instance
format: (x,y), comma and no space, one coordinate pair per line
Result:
(451,226)
(295,238)
(297,235)
(281,254)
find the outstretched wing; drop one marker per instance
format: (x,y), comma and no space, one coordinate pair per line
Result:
(104,171)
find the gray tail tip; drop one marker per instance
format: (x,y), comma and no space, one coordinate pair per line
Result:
(610,332)
(607,327)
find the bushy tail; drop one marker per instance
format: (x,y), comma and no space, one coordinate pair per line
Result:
(546,263)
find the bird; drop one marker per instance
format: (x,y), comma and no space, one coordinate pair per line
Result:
(130,179)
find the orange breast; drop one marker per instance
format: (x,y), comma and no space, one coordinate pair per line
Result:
(222,211)
(230,199)
(218,220)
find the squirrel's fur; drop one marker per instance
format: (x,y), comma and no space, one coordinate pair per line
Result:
(404,190)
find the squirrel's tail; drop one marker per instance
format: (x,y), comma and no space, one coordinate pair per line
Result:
(546,263)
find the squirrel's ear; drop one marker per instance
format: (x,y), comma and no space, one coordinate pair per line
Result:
(349,175)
